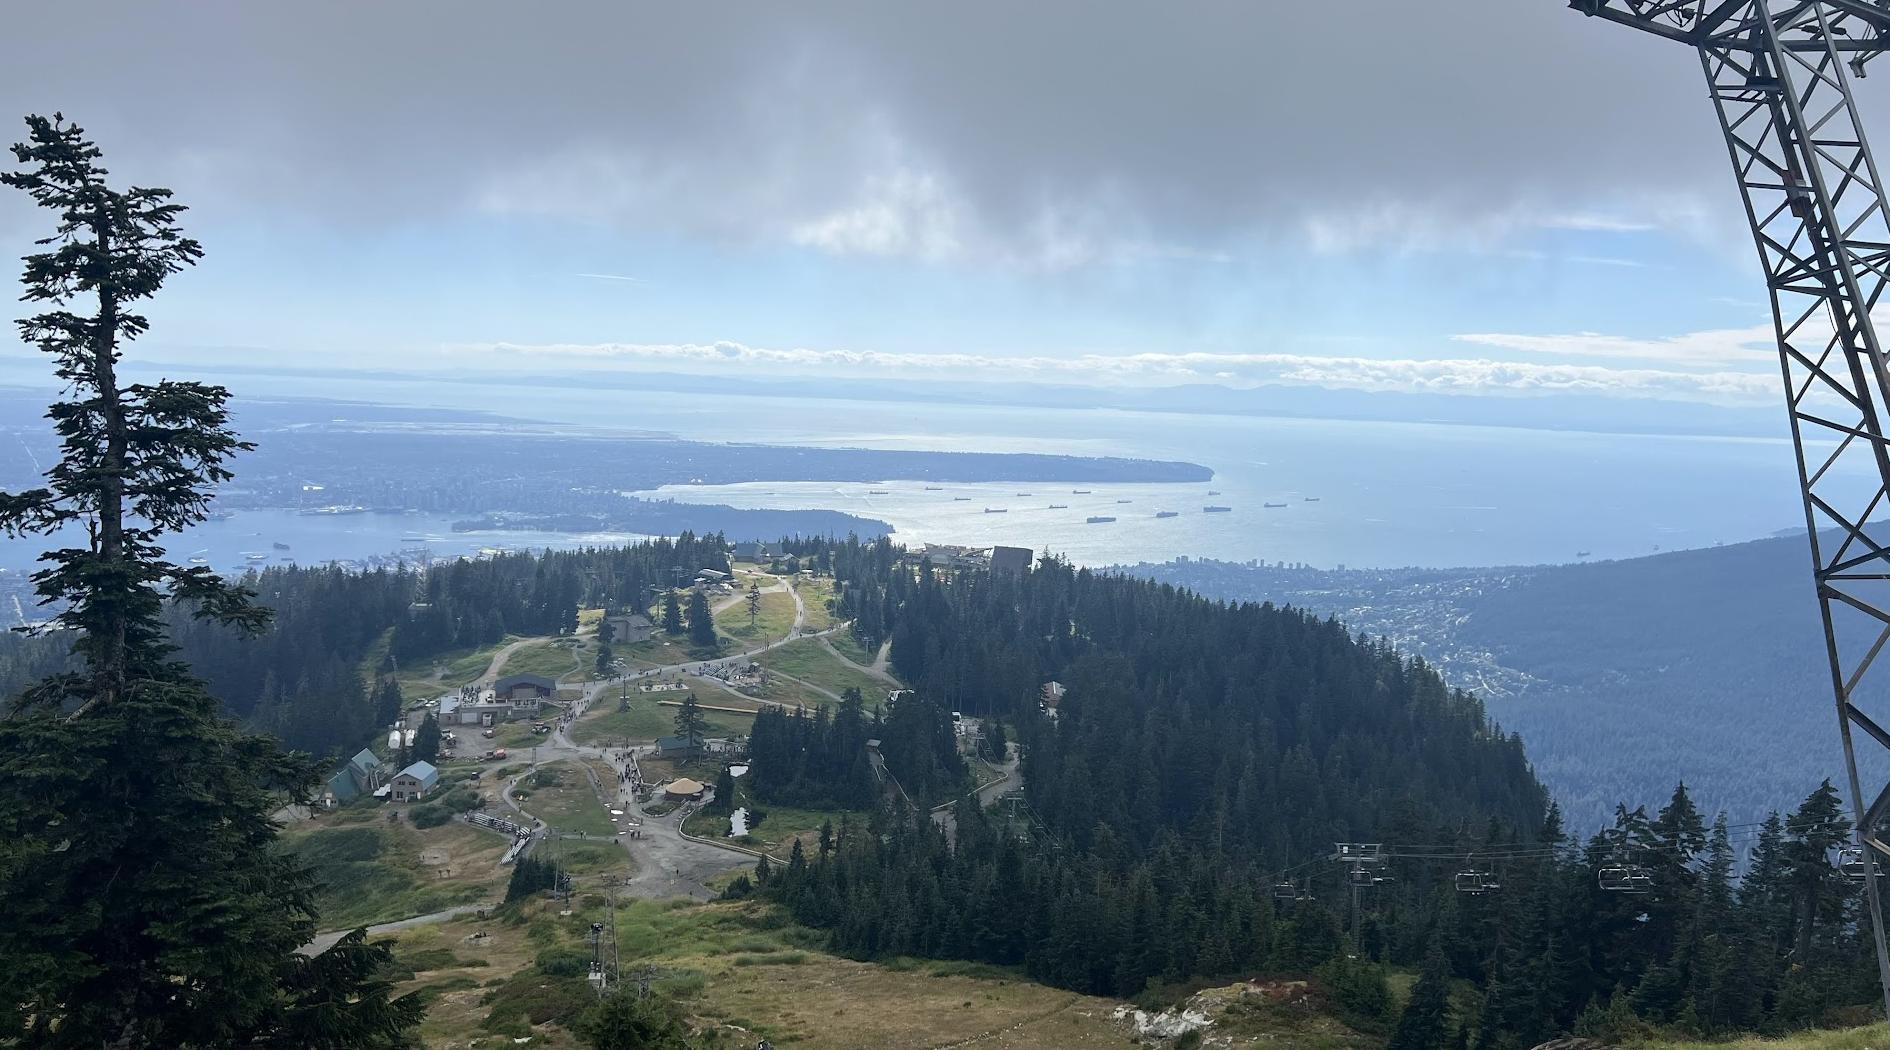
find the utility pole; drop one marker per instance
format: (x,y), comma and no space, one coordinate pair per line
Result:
(1779,74)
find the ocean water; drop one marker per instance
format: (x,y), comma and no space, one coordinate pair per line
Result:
(226,545)
(1387,494)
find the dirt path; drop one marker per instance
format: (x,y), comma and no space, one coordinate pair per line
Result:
(877,668)
(499,658)
(1012,779)
(325,941)
(804,683)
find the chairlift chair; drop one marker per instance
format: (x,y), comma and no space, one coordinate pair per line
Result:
(1852,864)
(1367,853)
(1624,878)
(1472,882)
(1285,891)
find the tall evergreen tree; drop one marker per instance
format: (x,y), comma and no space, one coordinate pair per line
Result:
(672,614)
(426,740)
(1426,1022)
(724,800)
(1813,834)
(145,903)
(691,725)
(701,621)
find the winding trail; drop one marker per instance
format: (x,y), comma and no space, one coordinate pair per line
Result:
(499,658)
(325,941)
(876,669)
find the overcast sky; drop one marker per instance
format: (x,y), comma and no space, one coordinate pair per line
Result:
(1479,196)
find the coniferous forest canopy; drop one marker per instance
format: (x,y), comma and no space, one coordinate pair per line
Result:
(1207,757)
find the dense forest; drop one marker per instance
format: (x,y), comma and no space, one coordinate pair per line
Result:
(312,679)
(1182,807)
(1621,676)
(1548,949)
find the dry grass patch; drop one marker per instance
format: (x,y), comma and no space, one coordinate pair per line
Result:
(743,966)
(375,871)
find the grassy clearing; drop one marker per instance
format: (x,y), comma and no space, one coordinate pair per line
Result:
(779,827)
(560,795)
(816,592)
(1869,1037)
(510,735)
(775,619)
(740,965)
(661,650)
(811,662)
(585,857)
(445,673)
(851,648)
(789,693)
(648,719)
(553,659)
(373,871)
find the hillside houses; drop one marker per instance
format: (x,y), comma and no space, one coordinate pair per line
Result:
(362,775)
(631,628)
(413,783)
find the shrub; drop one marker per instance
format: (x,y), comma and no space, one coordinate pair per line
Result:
(430,815)
(426,959)
(532,999)
(563,962)
(461,799)
(1359,993)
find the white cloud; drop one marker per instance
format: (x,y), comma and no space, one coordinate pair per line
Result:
(905,214)
(1465,376)
(1752,346)
(612,277)
(1598,223)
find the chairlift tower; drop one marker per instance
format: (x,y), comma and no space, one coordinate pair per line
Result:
(1362,862)
(1779,74)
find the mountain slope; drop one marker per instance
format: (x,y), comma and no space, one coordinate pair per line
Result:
(1621,676)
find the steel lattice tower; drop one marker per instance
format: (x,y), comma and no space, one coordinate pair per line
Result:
(1779,73)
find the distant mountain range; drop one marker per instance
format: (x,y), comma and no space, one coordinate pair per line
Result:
(1621,676)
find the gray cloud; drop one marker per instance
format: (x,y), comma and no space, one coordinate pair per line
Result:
(1048,134)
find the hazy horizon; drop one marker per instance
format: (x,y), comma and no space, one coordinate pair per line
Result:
(853,197)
